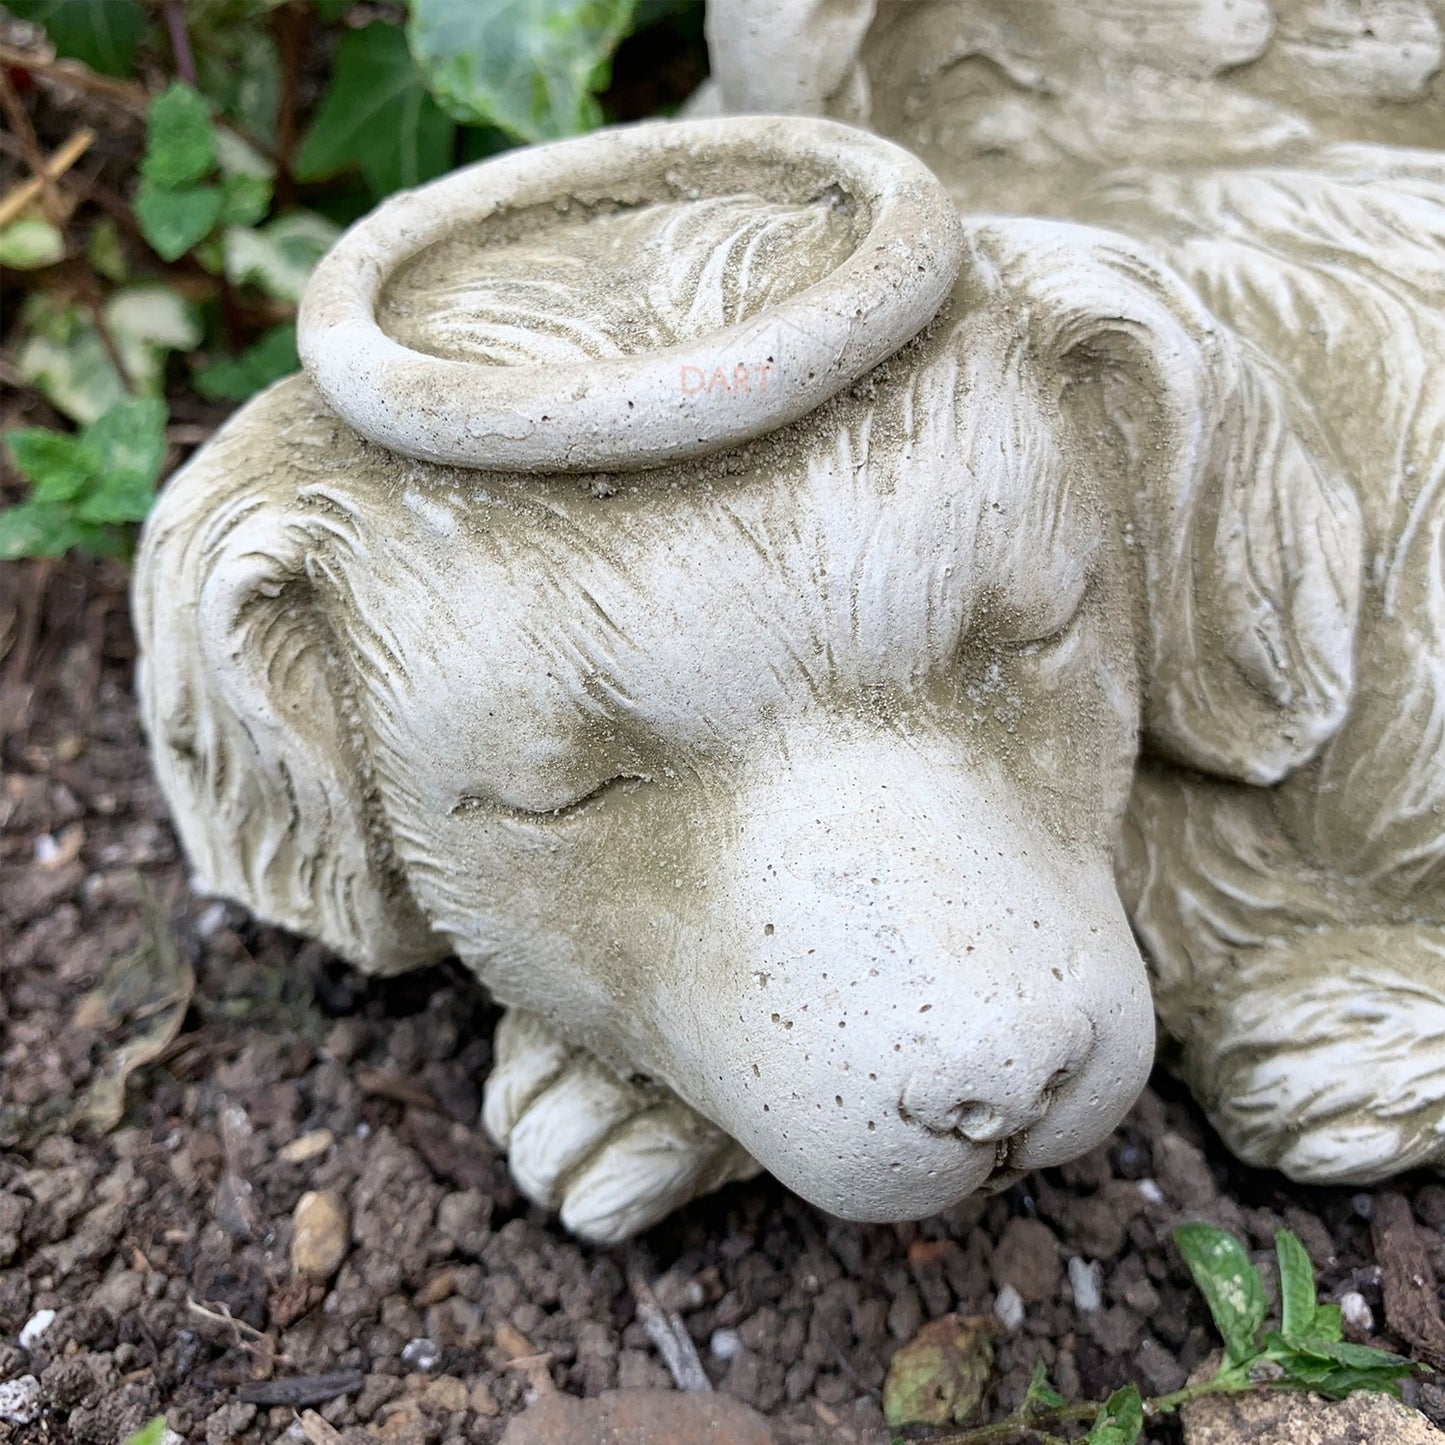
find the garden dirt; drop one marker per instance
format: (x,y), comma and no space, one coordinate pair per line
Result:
(146,1223)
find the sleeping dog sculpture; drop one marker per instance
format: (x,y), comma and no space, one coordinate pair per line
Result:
(779,618)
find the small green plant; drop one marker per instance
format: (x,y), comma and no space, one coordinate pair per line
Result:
(86,485)
(1307,1351)
(182,270)
(152,1433)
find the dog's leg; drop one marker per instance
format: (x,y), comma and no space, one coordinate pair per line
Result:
(1328,1059)
(1312,1032)
(613,1156)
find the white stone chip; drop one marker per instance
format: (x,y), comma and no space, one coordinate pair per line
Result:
(1009,1307)
(725,1345)
(1086,1279)
(20,1400)
(35,1327)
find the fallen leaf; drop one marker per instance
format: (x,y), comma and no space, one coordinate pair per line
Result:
(139,1004)
(939,1376)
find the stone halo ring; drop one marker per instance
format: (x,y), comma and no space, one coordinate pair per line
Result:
(629,412)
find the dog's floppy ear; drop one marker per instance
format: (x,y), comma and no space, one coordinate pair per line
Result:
(247,697)
(1248,539)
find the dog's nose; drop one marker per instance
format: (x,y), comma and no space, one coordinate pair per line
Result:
(985,1095)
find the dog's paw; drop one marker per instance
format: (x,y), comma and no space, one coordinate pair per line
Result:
(613,1157)
(1324,1054)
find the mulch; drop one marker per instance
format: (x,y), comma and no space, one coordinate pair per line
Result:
(160,1239)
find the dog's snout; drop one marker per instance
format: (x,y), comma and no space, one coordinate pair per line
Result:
(972,1095)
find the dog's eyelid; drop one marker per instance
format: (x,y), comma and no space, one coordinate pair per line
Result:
(571,807)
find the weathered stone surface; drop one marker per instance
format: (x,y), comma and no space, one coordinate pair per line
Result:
(639,1417)
(1293,1419)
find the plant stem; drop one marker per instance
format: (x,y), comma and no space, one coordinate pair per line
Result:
(180,43)
(1033,1428)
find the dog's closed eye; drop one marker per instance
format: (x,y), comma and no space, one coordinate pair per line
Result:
(557,812)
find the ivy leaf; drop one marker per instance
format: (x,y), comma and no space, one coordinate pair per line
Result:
(376,115)
(101,33)
(63,355)
(126,448)
(55,462)
(279,256)
(271,358)
(180,139)
(1296,1286)
(176,218)
(106,252)
(82,485)
(245,199)
(48,529)
(30,242)
(529,66)
(1230,1284)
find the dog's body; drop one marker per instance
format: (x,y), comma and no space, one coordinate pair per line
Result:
(713,772)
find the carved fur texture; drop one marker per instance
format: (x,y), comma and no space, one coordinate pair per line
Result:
(798,800)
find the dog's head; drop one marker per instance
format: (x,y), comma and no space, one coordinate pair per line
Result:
(790,776)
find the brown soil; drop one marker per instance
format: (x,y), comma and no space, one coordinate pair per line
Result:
(163,1245)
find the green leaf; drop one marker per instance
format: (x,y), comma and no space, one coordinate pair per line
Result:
(63,355)
(1040,1394)
(1230,1284)
(153,1433)
(180,139)
(376,115)
(127,447)
(1329,1323)
(175,218)
(244,200)
(529,66)
(238,68)
(1121,1421)
(48,529)
(56,462)
(271,358)
(29,243)
(279,256)
(101,33)
(1296,1286)
(331,10)
(106,252)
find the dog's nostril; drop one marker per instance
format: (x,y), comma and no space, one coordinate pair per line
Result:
(980,1122)
(971,1119)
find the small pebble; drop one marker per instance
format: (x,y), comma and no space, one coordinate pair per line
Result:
(321,1234)
(1152,1193)
(446,1394)
(20,1400)
(1363,1205)
(1086,1279)
(35,1327)
(307,1147)
(47,850)
(725,1345)
(1357,1312)
(213,919)
(1009,1307)
(421,1354)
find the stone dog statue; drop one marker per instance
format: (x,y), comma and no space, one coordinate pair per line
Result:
(778,611)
